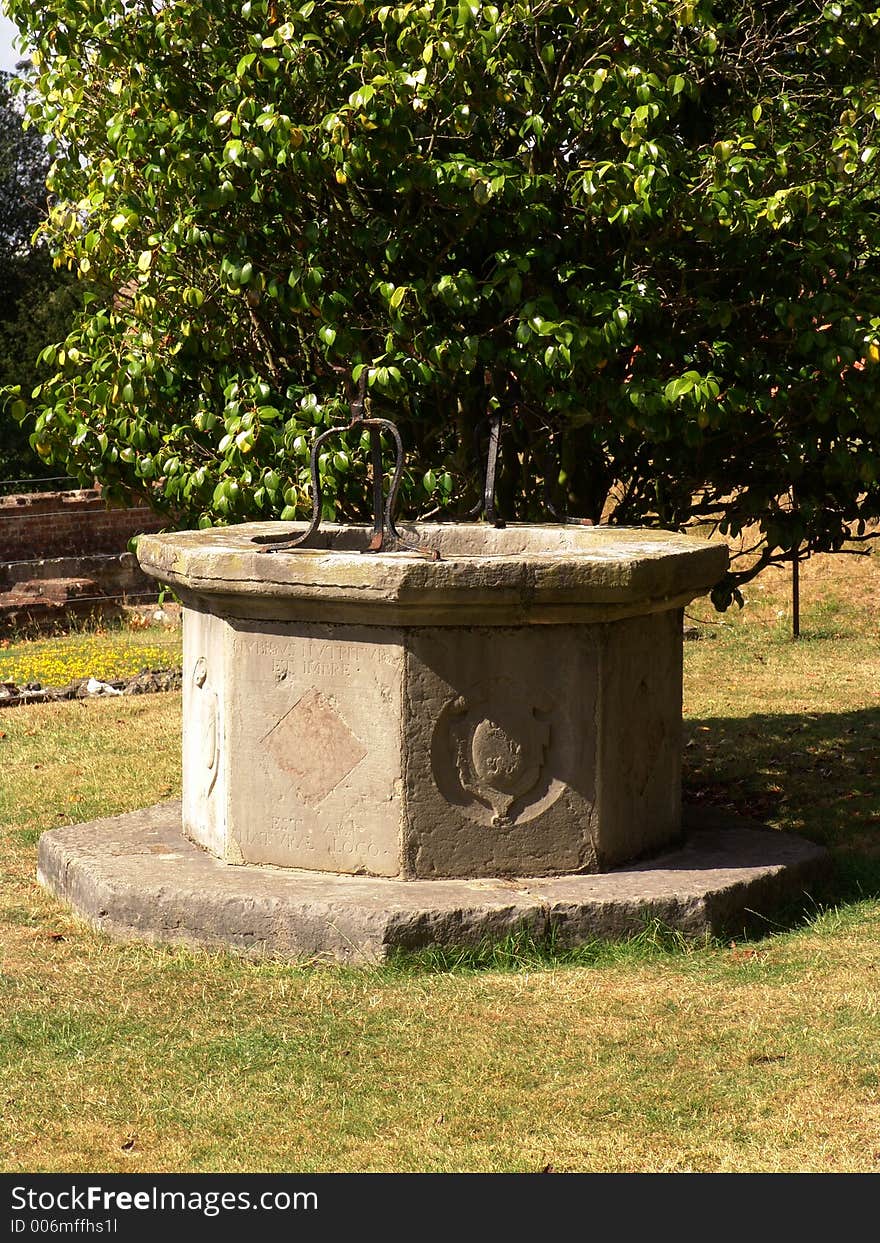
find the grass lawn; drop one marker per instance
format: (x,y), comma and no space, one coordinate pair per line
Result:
(653,1056)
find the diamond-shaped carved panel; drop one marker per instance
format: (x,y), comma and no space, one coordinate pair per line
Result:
(314,746)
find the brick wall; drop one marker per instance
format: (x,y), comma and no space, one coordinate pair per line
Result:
(66,524)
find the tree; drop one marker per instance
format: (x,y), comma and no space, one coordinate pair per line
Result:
(35,303)
(645,233)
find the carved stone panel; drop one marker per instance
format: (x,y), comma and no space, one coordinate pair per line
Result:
(432,752)
(489,754)
(317,710)
(500,776)
(640,737)
(332,750)
(204,701)
(204,777)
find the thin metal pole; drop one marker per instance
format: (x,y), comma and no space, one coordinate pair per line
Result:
(795,578)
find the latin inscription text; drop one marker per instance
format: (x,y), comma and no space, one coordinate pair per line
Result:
(294,835)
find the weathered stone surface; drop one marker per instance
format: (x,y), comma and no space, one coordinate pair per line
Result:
(500,751)
(398,737)
(487,577)
(431,751)
(332,753)
(312,743)
(638,737)
(205,713)
(137,877)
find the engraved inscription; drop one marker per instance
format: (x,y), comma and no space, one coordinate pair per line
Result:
(321,665)
(490,752)
(256,647)
(314,746)
(317,660)
(294,835)
(344,842)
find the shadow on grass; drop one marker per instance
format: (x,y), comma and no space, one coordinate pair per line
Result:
(815,774)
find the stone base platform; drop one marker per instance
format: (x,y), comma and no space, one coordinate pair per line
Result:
(136,877)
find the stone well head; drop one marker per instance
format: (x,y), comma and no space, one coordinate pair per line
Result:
(513,709)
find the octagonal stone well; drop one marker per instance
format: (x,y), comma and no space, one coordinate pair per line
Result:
(513,709)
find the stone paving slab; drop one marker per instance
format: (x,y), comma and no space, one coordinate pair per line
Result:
(136,877)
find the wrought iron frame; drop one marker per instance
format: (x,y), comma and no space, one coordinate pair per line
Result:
(386,537)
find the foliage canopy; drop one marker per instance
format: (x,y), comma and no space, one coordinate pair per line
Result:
(35,302)
(645,231)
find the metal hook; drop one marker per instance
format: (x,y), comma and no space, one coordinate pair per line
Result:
(486,503)
(386,537)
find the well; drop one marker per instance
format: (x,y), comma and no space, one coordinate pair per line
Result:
(377,746)
(513,709)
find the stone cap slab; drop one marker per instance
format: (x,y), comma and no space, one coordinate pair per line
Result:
(517,575)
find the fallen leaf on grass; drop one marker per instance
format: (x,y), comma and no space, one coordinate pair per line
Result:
(759,1059)
(128,1143)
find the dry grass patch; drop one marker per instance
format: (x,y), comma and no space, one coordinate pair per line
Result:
(67,762)
(214,1065)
